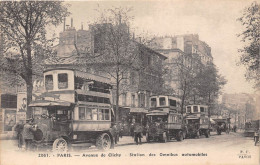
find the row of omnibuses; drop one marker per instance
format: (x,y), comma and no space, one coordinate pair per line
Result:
(75,110)
(166,121)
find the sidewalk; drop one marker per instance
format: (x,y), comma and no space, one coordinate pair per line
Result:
(11,135)
(128,140)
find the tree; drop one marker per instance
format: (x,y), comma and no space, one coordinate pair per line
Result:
(115,52)
(23,26)
(250,53)
(208,84)
(182,75)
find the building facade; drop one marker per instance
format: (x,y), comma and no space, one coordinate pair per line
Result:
(242,107)
(141,80)
(183,52)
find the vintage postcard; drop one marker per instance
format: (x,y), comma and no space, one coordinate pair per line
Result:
(130,82)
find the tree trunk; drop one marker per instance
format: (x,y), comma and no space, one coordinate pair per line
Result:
(29,80)
(209,109)
(29,86)
(117,99)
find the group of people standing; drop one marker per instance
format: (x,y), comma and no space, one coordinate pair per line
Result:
(24,134)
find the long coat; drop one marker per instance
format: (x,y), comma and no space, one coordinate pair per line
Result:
(27,131)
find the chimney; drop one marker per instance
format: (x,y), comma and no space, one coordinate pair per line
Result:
(64,24)
(81,25)
(71,22)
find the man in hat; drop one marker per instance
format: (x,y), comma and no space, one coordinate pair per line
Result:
(138,133)
(27,133)
(19,128)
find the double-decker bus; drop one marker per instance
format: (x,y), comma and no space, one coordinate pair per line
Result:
(197,121)
(164,119)
(74,110)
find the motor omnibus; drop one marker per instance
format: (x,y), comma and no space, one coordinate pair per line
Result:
(251,127)
(164,119)
(197,121)
(75,110)
(222,125)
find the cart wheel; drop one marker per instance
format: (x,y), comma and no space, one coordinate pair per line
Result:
(60,145)
(103,142)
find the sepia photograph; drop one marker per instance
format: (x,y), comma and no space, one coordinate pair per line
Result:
(130,82)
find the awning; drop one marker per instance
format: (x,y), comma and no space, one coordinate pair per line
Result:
(220,120)
(47,103)
(138,110)
(192,118)
(156,113)
(92,77)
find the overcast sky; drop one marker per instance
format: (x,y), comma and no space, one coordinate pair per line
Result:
(214,21)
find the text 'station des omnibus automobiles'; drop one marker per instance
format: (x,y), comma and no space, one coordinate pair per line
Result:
(197,121)
(164,119)
(75,110)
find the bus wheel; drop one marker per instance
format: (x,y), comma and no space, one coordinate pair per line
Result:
(60,145)
(103,142)
(179,136)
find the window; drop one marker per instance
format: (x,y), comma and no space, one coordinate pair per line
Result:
(49,82)
(81,113)
(132,78)
(147,98)
(124,99)
(106,101)
(202,109)
(95,99)
(106,114)
(162,101)
(100,115)
(99,44)
(141,100)
(10,101)
(88,114)
(133,100)
(172,102)
(94,114)
(188,110)
(174,119)
(103,114)
(195,109)
(63,81)
(153,102)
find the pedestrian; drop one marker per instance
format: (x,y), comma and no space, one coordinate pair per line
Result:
(235,128)
(19,128)
(256,136)
(138,133)
(27,133)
